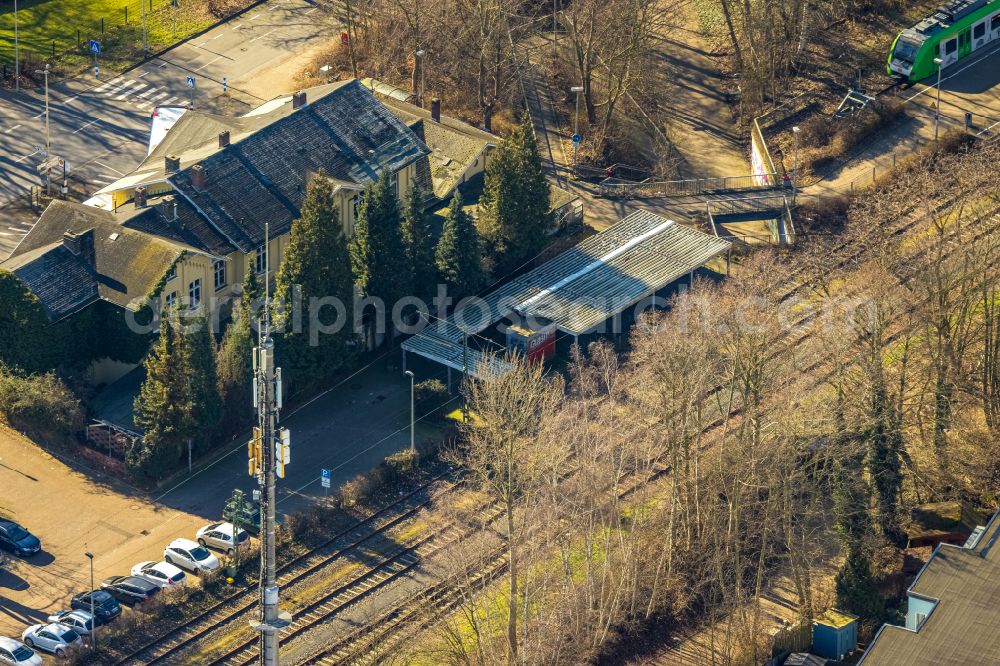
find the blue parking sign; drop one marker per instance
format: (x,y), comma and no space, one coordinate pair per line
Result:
(325,475)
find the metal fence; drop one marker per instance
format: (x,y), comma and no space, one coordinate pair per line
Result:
(626,189)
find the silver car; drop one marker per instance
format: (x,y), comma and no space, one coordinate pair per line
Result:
(220,537)
(51,637)
(79,621)
(16,653)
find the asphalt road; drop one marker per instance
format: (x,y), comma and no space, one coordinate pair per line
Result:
(101,125)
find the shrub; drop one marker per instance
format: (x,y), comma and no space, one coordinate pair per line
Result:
(832,140)
(40,405)
(432,398)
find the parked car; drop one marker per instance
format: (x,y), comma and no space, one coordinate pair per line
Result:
(106,607)
(18,540)
(129,589)
(190,555)
(51,637)
(160,574)
(220,536)
(79,621)
(17,653)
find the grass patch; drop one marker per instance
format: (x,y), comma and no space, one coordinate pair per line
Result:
(59,31)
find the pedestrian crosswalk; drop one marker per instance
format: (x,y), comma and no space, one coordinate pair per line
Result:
(143,95)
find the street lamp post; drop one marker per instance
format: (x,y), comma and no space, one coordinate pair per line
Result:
(576,117)
(145,34)
(17,54)
(420,64)
(93,618)
(413,437)
(48,141)
(937,109)
(795,163)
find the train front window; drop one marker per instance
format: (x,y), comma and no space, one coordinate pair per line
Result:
(906,51)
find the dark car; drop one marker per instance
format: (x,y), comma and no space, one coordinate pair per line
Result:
(18,540)
(106,607)
(130,589)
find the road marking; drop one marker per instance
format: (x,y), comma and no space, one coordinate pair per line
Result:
(24,157)
(8,131)
(148,91)
(208,63)
(953,74)
(264,35)
(312,10)
(237,26)
(5,233)
(67,101)
(118,89)
(101,88)
(256,16)
(144,74)
(152,100)
(86,126)
(168,101)
(164,65)
(219,35)
(109,168)
(133,91)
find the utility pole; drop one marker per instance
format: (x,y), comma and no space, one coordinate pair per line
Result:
(937,108)
(420,66)
(268,455)
(413,445)
(576,120)
(48,141)
(17,54)
(145,33)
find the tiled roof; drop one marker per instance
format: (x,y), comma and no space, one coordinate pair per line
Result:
(455,145)
(262,178)
(127,264)
(964,626)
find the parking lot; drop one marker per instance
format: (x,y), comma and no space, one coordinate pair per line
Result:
(71,513)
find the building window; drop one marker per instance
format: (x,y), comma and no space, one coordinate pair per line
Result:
(261,259)
(220,274)
(395,183)
(194,293)
(171,300)
(355,202)
(171,273)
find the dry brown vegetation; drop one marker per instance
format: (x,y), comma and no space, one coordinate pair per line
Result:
(745,434)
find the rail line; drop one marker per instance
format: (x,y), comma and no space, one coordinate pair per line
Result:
(182,637)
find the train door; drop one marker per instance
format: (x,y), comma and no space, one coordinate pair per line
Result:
(964,43)
(995,26)
(949,52)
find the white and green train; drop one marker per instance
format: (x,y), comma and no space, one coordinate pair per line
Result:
(955,31)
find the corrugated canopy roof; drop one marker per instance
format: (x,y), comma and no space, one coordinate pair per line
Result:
(584,286)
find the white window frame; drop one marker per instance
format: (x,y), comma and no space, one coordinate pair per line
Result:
(171,300)
(194,293)
(219,269)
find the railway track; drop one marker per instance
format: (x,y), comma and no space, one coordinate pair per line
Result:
(167,647)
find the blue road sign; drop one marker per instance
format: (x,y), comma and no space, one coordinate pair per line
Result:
(95,46)
(577,139)
(190,82)
(325,476)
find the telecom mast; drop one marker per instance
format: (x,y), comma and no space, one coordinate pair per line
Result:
(269,453)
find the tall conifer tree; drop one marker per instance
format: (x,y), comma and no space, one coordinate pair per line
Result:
(459,258)
(419,243)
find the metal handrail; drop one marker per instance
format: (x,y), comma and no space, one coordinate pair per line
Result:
(615,187)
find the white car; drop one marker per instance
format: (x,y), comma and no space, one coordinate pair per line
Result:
(190,555)
(52,637)
(160,573)
(17,654)
(220,536)
(79,621)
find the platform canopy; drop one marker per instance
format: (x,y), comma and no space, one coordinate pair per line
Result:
(581,288)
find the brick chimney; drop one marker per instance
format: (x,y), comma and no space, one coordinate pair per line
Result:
(198,177)
(298,100)
(171,164)
(168,208)
(81,245)
(223,138)
(436,109)
(140,197)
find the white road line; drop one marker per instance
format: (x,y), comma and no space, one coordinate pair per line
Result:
(8,131)
(7,233)
(109,176)
(237,26)
(67,101)
(23,157)
(952,75)
(219,35)
(157,96)
(256,16)
(118,89)
(168,101)
(109,168)
(148,91)
(144,74)
(312,10)
(101,88)
(86,126)
(164,65)
(208,63)
(264,35)
(133,91)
